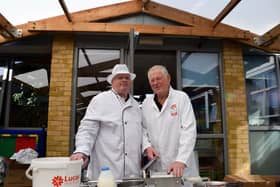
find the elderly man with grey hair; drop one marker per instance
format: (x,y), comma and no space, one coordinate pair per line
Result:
(170,126)
(110,134)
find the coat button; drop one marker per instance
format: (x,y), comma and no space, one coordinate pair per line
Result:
(125,154)
(125,122)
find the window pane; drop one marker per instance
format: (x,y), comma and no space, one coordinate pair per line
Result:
(3,78)
(262,90)
(272,96)
(30,93)
(200,80)
(264,152)
(94,65)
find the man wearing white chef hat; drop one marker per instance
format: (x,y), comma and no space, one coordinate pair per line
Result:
(110,134)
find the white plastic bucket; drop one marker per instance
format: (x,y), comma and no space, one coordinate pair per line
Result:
(55,172)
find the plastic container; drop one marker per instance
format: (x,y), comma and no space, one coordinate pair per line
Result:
(55,172)
(3,170)
(106,178)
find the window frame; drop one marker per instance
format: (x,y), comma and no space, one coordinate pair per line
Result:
(265,91)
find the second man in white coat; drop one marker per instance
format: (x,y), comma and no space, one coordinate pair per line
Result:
(170,126)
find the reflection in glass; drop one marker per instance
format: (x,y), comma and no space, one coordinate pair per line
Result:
(210,158)
(200,80)
(29,92)
(94,65)
(262,90)
(3,77)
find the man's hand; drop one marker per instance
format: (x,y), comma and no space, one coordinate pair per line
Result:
(177,168)
(151,153)
(80,156)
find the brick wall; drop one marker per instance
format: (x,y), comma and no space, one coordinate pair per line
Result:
(236,112)
(60,96)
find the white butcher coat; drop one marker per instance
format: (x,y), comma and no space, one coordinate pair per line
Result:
(171,131)
(111,133)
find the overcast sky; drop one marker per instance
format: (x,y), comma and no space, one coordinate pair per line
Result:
(257,16)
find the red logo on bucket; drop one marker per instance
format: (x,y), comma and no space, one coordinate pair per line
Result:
(58,181)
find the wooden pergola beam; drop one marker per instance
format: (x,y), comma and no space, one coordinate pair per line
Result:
(65,10)
(30,29)
(225,12)
(269,37)
(144,29)
(7,30)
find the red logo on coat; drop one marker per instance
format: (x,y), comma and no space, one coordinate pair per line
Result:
(173,110)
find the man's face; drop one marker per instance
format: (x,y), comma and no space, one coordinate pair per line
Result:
(159,82)
(121,84)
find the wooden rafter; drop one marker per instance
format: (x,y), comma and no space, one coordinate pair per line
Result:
(7,30)
(144,3)
(269,37)
(144,29)
(275,46)
(86,73)
(251,42)
(65,10)
(95,70)
(225,12)
(95,86)
(24,33)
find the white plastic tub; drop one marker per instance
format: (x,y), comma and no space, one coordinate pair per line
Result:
(55,172)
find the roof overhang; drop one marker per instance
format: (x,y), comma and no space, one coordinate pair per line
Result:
(7,30)
(94,20)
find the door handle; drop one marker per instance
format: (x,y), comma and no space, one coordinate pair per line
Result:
(10,74)
(5,74)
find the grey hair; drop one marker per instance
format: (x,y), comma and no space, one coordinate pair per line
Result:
(158,67)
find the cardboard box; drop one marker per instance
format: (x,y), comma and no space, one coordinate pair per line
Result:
(16,175)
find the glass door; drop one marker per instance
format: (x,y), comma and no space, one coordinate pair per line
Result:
(3,83)
(144,59)
(24,92)
(200,80)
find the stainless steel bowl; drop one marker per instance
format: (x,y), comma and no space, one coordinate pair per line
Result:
(215,184)
(137,182)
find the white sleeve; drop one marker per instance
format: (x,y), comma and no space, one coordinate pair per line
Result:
(188,131)
(88,130)
(145,139)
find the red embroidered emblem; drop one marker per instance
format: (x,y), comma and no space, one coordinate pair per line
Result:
(173,109)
